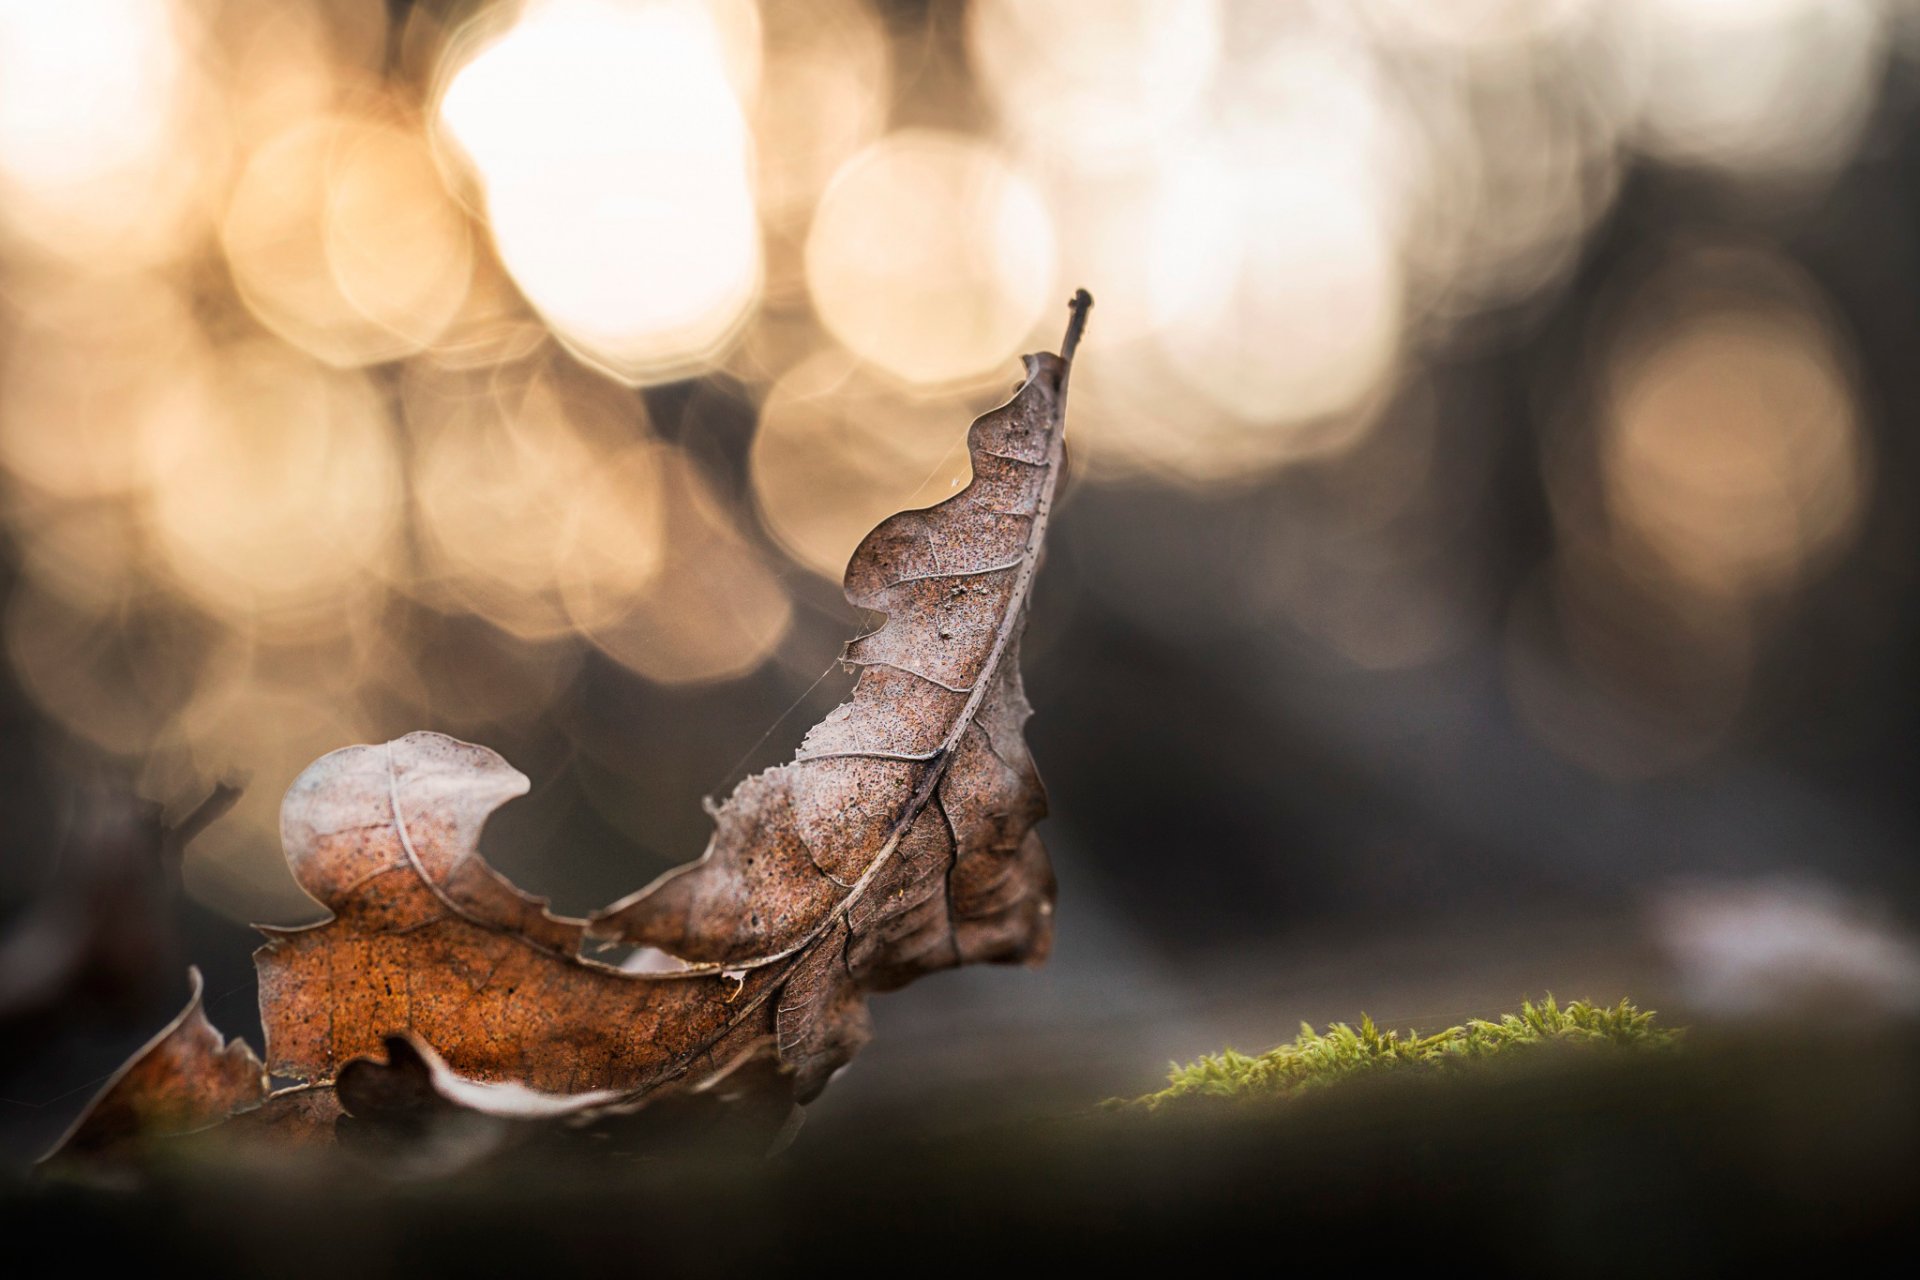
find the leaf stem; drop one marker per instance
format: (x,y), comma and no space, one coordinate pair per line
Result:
(225,795)
(1077,308)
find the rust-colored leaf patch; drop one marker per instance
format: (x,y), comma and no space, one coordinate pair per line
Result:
(184,1079)
(426,938)
(899,841)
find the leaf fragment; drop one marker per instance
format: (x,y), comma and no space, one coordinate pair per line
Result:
(426,938)
(188,1077)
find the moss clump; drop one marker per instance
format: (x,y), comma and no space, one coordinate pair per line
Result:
(1316,1058)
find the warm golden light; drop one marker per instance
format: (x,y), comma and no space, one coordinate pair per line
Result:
(1472,26)
(1733,450)
(93,554)
(930,257)
(1725,465)
(96,164)
(530,506)
(280,65)
(1115,219)
(838,451)
(714,612)
(1141,421)
(1279,282)
(609,143)
(342,240)
(397,246)
(823,97)
(104,361)
(1131,74)
(115,680)
(1764,87)
(366,366)
(264,730)
(282,496)
(1512,175)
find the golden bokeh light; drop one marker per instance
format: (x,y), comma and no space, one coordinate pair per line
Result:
(342,240)
(1253,293)
(616,542)
(281,65)
(1474,26)
(609,142)
(1274,249)
(94,554)
(493,482)
(1111,220)
(1732,448)
(262,733)
(1141,420)
(397,246)
(1281,282)
(823,96)
(117,61)
(104,362)
(99,160)
(931,258)
(1515,174)
(1133,75)
(838,451)
(715,610)
(493,327)
(116,680)
(370,366)
(1724,465)
(469,676)
(282,495)
(1771,88)
(527,502)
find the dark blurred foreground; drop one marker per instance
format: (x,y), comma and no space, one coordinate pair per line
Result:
(1763,1148)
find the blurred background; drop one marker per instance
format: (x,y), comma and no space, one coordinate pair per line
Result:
(1487,565)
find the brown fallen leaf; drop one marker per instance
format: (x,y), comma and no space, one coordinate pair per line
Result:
(425,937)
(187,1078)
(898,842)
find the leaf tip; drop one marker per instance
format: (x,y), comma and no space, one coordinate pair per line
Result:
(1077,308)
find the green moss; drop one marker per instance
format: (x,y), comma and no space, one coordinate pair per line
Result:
(1316,1058)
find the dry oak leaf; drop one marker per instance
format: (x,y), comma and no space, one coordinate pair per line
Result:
(426,938)
(898,842)
(188,1077)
